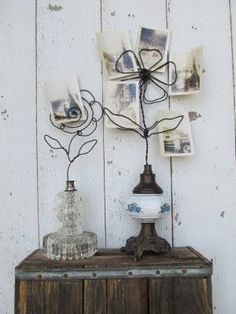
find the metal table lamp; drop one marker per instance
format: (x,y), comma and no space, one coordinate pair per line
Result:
(145,205)
(145,202)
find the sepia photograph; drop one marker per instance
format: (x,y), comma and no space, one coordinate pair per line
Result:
(177,142)
(112,44)
(122,99)
(189,72)
(153,39)
(65,100)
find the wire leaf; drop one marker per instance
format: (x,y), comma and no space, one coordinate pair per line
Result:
(53,143)
(85,148)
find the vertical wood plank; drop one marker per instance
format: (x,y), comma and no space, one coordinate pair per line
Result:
(179,296)
(95,296)
(124,151)
(20,296)
(70,297)
(42,297)
(18,193)
(50,297)
(127,296)
(204,184)
(232,7)
(39,295)
(66,44)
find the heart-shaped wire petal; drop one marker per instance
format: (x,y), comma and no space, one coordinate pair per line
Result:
(148,75)
(147,50)
(133,55)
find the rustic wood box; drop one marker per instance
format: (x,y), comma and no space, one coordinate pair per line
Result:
(111,282)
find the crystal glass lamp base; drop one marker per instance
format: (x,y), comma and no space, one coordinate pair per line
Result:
(57,246)
(70,242)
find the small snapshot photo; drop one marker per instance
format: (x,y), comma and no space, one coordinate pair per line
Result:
(175,142)
(112,44)
(122,98)
(189,72)
(153,39)
(65,100)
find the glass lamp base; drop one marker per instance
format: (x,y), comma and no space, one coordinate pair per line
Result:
(59,246)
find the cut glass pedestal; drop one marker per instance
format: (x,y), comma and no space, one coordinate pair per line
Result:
(57,246)
(70,241)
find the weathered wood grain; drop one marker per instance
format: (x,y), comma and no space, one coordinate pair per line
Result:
(95,296)
(128,296)
(49,297)
(178,296)
(180,293)
(37,261)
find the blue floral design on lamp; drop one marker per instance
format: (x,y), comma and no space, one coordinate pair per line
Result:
(165,208)
(134,208)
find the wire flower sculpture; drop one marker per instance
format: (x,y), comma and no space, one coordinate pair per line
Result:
(80,128)
(146,76)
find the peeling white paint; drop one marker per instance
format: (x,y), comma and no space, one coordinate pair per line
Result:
(54,7)
(193,115)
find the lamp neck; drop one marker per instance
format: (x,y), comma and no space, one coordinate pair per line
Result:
(147,184)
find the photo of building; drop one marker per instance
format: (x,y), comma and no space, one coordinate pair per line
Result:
(66,108)
(153,39)
(177,142)
(189,72)
(122,99)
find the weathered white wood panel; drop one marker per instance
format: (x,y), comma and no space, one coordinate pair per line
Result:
(233,47)
(18,210)
(124,151)
(66,44)
(204,185)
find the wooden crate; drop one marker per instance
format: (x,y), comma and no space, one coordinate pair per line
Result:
(112,283)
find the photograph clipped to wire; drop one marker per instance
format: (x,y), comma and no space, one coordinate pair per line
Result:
(177,142)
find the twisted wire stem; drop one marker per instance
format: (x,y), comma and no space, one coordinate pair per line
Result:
(145,131)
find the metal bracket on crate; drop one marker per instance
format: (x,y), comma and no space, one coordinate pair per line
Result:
(105,273)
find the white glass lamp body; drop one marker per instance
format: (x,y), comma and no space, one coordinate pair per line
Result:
(145,206)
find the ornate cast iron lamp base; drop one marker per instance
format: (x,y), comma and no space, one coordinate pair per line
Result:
(147,240)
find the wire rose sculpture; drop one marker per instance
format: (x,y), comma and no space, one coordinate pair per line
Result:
(79,129)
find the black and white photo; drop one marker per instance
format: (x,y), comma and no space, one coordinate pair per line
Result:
(189,72)
(112,44)
(65,100)
(153,39)
(175,142)
(122,99)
